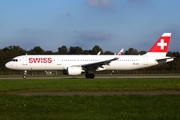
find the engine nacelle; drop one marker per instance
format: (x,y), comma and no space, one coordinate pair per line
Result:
(72,71)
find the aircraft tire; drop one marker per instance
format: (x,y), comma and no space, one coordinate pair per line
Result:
(89,75)
(24,76)
(92,75)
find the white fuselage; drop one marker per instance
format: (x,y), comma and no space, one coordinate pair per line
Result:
(60,62)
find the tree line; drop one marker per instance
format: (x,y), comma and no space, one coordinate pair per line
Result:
(7,53)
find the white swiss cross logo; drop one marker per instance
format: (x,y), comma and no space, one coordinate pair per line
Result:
(162,44)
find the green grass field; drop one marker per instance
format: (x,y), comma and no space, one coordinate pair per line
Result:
(13,107)
(83,107)
(80,84)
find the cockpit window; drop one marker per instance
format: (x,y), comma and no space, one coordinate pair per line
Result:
(15,60)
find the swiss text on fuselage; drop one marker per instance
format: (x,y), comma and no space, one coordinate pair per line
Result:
(40,60)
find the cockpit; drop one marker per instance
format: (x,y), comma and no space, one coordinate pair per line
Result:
(14,60)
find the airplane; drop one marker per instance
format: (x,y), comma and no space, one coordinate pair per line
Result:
(77,64)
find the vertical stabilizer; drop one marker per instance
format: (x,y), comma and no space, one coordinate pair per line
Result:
(161,46)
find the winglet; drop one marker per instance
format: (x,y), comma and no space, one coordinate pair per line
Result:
(119,54)
(99,53)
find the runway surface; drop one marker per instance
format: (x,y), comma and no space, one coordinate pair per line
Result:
(97,77)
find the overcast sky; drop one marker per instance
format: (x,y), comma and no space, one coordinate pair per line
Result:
(110,24)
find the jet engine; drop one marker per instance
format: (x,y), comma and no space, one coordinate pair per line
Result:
(72,71)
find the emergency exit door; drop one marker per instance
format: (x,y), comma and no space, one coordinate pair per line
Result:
(59,61)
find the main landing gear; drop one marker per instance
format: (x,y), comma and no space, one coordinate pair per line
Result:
(25,74)
(89,75)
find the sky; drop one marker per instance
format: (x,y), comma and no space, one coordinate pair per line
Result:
(110,24)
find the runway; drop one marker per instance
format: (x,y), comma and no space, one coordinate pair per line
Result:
(76,77)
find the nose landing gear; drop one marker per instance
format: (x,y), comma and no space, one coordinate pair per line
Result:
(25,74)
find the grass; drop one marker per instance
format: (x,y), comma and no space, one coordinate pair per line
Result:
(83,107)
(80,84)
(13,107)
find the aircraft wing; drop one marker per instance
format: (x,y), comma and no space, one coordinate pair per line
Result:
(96,65)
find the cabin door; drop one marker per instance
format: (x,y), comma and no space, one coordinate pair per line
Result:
(25,60)
(59,61)
(145,60)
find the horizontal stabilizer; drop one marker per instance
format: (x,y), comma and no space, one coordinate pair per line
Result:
(164,60)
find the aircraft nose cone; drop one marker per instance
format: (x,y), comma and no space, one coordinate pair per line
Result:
(7,65)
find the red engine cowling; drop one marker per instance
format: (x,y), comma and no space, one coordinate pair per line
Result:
(72,71)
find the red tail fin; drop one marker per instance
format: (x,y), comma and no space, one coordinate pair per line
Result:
(161,44)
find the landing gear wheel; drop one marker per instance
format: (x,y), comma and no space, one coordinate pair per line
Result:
(92,75)
(24,75)
(89,75)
